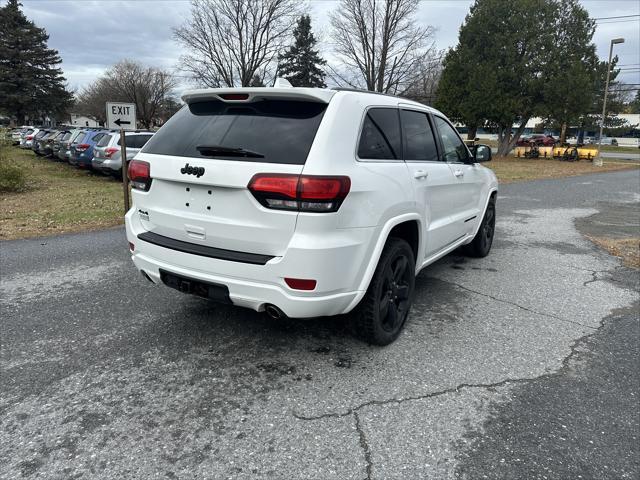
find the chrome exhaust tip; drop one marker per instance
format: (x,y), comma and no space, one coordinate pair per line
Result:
(274,312)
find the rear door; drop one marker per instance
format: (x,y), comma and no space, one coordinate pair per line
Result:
(469,181)
(433,182)
(202,160)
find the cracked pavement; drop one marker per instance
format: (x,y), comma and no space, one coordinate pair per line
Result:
(106,376)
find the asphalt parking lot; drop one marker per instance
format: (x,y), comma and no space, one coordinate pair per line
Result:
(520,365)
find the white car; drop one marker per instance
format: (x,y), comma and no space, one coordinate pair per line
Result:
(307,202)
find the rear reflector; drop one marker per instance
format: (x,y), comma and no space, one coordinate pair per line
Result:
(234,96)
(131,247)
(139,174)
(304,193)
(300,283)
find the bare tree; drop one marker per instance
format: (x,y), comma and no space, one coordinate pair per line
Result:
(379,42)
(230,42)
(425,85)
(128,81)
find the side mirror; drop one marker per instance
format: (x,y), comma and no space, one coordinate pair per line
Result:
(481,153)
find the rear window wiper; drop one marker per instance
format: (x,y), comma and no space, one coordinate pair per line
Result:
(214,150)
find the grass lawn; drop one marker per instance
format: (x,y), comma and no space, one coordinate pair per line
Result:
(60,198)
(511,169)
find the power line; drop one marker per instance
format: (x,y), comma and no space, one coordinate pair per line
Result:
(618,21)
(620,16)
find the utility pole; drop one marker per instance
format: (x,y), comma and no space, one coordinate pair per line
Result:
(598,160)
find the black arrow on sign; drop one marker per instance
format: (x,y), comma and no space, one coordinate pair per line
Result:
(121,122)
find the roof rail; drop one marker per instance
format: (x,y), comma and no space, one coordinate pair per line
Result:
(362,90)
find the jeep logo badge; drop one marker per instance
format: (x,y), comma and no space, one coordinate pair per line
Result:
(189,170)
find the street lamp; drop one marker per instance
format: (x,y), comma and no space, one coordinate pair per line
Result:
(598,160)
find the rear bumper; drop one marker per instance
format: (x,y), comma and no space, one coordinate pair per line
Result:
(107,165)
(336,265)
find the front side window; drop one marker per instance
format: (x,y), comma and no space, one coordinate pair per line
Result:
(454,150)
(380,137)
(419,143)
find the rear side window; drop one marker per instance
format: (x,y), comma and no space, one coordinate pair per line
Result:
(104,141)
(419,143)
(136,141)
(380,137)
(272,131)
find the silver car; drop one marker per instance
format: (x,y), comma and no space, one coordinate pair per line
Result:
(106,153)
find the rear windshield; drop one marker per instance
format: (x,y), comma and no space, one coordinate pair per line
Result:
(271,131)
(137,141)
(104,141)
(80,137)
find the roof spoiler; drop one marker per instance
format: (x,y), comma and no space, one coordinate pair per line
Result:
(281,89)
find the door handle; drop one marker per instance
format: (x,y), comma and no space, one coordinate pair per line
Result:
(458,173)
(420,174)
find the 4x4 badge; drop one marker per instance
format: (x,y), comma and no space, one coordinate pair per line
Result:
(189,170)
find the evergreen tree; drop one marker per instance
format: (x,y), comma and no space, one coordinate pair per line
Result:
(301,64)
(31,81)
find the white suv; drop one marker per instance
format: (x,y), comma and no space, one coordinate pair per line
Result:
(307,202)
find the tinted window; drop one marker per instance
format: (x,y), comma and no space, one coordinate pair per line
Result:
(136,141)
(419,143)
(380,137)
(280,131)
(104,141)
(453,148)
(80,137)
(66,136)
(96,136)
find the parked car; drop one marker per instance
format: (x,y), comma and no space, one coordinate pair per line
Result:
(65,145)
(307,202)
(35,145)
(16,133)
(81,150)
(59,144)
(42,145)
(107,157)
(537,139)
(47,144)
(26,139)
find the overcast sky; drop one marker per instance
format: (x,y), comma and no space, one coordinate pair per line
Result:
(92,35)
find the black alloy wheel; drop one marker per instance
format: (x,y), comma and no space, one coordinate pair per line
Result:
(383,311)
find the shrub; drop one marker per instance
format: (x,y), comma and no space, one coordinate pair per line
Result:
(12,178)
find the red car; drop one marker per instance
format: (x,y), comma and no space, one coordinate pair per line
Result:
(538,139)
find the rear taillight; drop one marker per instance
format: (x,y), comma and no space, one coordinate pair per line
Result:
(304,193)
(81,147)
(139,174)
(110,151)
(29,137)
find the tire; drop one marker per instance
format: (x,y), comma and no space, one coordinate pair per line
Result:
(480,246)
(393,285)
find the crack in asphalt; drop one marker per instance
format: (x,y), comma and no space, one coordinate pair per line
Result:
(595,278)
(364,445)
(564,365)
(548,315)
